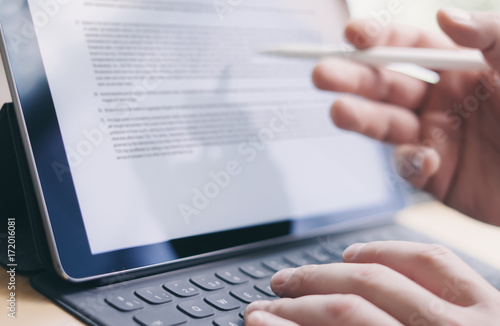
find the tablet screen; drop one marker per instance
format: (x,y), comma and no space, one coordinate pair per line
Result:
(175,125)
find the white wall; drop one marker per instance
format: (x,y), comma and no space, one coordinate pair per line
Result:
(420,13)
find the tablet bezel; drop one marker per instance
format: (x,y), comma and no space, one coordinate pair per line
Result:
(57,197)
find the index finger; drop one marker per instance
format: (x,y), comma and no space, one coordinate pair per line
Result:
(385,288)
(318,310)
(434,267)
(368,33)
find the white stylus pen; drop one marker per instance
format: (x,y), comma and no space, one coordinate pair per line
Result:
(434,59)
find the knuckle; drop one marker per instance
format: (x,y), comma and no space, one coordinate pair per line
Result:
(489,309)
(434,254)
(302,276)
(343,309)
(277,306)
(369,275)
(377,250)
(455,320)
(490,305)
(304,272)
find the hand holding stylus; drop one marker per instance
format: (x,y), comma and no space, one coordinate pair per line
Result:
(448,143)
(380,56)
(448,134)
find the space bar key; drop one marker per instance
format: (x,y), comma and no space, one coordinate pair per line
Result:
(160,317)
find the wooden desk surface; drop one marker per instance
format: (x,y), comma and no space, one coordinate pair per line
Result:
(477,239)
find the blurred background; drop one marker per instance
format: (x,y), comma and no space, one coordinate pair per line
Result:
(420,13)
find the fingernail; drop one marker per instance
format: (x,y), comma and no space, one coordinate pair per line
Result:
(410,165)
(418,162)
(352,251)
(459,16)
(255,318)
(361,40)
(282,276)
(257,305)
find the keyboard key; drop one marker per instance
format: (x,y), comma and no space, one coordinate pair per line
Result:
(196,309)
(323,256)
(276,264)
(255,271)
(337,248)
(248,295)
(300,259)
(232,277)
(333,245)
(154,295)
(182,289)
(223,301)
(124,302)
(161,317)
(208,283)
(266,289)
(229,321)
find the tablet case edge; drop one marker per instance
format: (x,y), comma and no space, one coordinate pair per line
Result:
(18,202)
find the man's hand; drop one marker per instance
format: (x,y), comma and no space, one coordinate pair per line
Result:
(448,138)
(381,283)
(448,135)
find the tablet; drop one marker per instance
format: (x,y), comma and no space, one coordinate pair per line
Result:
(158,134)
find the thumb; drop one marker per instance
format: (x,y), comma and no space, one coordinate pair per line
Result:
(479,30)
(416,164)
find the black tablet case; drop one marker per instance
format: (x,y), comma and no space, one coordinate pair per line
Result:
(18,200)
